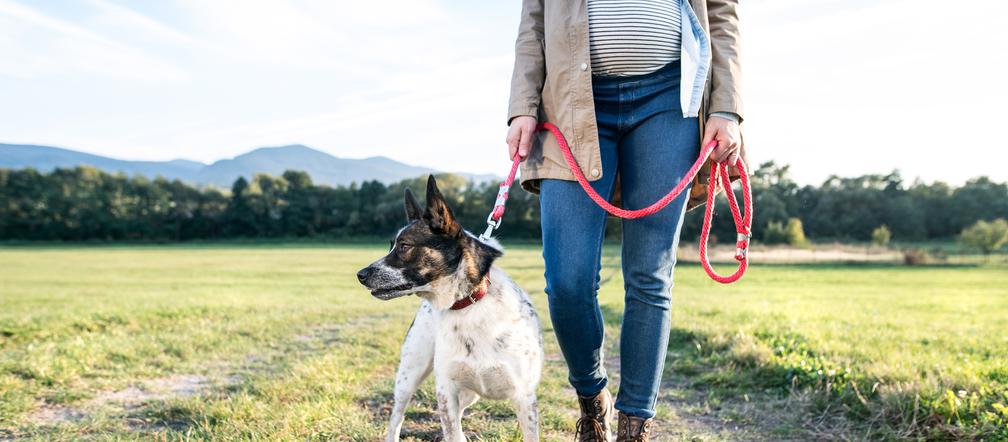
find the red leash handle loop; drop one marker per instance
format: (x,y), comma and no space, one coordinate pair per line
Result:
(743,222)
(718,176)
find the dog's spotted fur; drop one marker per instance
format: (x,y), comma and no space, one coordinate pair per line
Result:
(492,348)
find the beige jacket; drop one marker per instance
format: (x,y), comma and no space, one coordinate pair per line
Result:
(552,82)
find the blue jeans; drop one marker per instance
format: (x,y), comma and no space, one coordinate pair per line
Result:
(644,137)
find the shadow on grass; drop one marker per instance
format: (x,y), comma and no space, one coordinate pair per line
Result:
(422,421)
(709,362)
(160,417)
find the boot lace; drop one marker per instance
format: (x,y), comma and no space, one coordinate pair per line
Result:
(590,429)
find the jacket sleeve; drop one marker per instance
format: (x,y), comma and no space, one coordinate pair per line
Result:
(726,70)
(530,64)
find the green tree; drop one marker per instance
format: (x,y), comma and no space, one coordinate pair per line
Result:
(268,194)
(85,203)
(978,199)
(239,216)
(881,236)
(986,236)
(301,216)
(795,233)
(791,233)
(775,233)
(774,193)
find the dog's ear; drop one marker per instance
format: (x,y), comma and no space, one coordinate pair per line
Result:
(439,216)
(413,210)
(484,255)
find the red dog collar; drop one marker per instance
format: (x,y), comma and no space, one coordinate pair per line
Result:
(474,297)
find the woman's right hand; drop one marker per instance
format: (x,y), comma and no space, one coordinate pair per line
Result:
(519,136)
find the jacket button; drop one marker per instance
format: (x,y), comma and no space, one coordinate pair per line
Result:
(595,173)
(584,66)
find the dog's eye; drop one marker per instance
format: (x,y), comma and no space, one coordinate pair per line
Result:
(403,247)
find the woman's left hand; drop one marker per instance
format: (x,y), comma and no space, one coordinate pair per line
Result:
(727,133)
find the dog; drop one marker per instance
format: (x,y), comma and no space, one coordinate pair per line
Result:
(475,328)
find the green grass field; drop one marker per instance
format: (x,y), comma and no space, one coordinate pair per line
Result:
(280,343)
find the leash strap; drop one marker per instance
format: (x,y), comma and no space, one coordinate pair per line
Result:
(494,219)
(718,176)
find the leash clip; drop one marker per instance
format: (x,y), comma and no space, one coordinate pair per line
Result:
(498,210)
(492,224)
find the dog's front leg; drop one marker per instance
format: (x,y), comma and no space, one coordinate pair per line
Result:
(528,416)
(450,411)
(416,359)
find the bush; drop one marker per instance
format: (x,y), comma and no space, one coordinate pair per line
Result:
(796,233)
(915,257)
(775,233)
(881,235)
(986,236)
(792,233)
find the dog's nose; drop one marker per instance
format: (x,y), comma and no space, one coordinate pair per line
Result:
(363,274)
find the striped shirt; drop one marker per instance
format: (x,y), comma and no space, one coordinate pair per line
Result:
(633,37)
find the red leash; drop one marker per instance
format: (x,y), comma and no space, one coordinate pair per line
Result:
(718,175)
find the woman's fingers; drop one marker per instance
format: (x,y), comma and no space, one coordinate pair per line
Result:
(717,153)
(720,152)
(512,142)
(523,143)
(733,158)
(709,132)
(726,151)
(519,138)
(726,133)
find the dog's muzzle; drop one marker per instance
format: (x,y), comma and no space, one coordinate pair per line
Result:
(363,274)
(367,278)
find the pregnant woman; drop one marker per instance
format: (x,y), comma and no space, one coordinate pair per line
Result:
(636,86)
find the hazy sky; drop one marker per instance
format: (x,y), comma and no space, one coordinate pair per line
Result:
(831,86)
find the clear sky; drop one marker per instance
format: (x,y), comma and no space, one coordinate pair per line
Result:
(831,86)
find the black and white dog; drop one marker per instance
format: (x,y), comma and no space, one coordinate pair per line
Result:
(475,327)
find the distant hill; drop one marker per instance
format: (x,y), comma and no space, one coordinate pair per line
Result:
(323,168)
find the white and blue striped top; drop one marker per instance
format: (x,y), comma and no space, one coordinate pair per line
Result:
(633,37)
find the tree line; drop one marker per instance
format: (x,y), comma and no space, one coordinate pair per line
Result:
(84,203)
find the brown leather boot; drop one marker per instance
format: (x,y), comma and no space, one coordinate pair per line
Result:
(596,418)
(633,429)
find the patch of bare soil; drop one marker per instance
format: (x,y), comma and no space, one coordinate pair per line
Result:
(158,389)
(129,401)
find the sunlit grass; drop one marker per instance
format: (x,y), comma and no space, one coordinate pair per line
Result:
(886,345)
(294,349)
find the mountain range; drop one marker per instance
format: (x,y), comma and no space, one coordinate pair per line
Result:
(322,167)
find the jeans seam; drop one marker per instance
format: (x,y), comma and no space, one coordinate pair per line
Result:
(599,320)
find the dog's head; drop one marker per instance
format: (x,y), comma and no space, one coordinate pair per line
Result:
(432,255)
